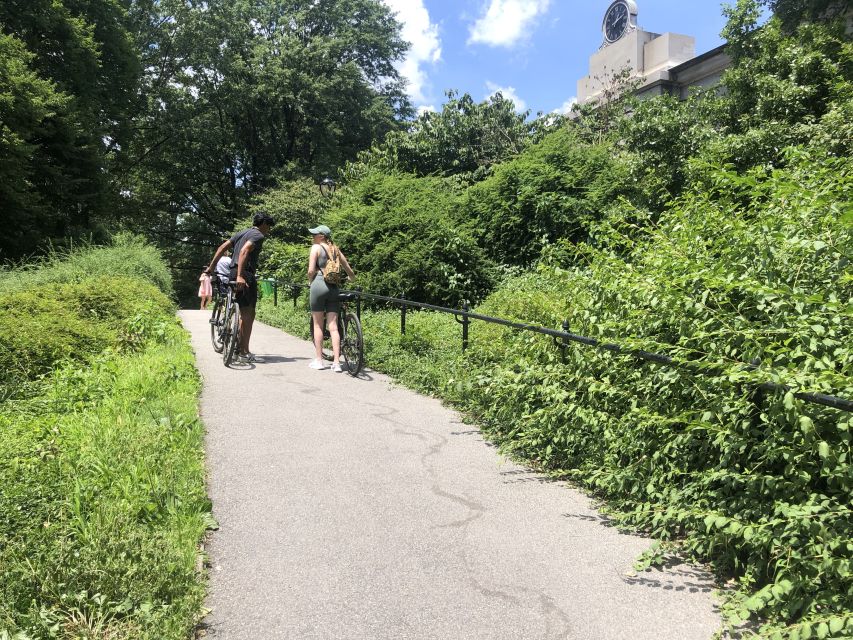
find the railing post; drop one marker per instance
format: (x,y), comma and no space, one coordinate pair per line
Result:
(403,320)
(756,398)
(358,305)
(465,322)
(275,293)
(561,342)
(294,292)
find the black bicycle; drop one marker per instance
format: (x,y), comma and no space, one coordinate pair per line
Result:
(229,327)
(352,338)
(219,315)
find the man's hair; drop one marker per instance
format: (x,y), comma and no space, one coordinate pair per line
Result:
(263,218)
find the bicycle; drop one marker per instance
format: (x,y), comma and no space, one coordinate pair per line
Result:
(230,336)
(352,338)
(219,314)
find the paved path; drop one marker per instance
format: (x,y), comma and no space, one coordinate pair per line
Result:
(350,508)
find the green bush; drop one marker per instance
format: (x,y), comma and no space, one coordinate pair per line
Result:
(554,190)
(756,269)
(40,327)
(403,239)
(128,256)
(37,330)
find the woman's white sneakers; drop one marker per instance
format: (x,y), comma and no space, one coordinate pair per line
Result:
(319,364)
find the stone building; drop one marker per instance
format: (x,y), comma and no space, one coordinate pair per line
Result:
(663,63)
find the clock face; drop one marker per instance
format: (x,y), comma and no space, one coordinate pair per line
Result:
(616,21)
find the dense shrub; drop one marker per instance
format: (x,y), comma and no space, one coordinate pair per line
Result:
(41,326)
(404,239)
(556,189)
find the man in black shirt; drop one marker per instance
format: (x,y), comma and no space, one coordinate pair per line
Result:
(247,247)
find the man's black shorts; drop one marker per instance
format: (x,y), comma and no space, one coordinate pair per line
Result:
(248,297)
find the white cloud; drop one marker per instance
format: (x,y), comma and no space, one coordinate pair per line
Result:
(505,22)
(566,107)
(418,30)
(426,108)
(508,93)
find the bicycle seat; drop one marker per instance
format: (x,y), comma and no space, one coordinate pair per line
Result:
(346,297)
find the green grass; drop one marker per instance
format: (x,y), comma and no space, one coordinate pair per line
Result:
(102,500)
(102,496)
(128,256)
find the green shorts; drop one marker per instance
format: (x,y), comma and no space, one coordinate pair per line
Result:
(324,297)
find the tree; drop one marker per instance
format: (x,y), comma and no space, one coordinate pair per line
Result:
(465,137)
(794,12)
(29,110)
(82,50)
(242,94)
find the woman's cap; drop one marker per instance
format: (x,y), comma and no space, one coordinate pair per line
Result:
(320,229)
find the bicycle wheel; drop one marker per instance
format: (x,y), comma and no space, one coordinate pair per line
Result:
(232,337)
(352,344)
(216,321)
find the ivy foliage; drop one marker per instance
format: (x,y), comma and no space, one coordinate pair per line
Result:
(754,269)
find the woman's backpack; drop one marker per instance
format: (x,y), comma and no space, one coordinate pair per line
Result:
(333,272)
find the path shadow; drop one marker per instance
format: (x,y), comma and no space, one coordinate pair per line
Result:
(364,374)
(269,359)
(591,517)
(659,579)
(519,476)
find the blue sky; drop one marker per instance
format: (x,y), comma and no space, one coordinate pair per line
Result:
(534,51)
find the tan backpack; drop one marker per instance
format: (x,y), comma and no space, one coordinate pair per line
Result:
(333,272)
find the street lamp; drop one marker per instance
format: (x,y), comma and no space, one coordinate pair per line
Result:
(327,187)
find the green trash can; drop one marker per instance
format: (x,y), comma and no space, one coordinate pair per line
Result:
(265,286)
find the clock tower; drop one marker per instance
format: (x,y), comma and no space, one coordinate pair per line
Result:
(649,56)
(620,18)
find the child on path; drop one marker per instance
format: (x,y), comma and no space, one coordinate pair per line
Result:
(205,290)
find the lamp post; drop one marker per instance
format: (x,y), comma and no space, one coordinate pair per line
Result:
(327,186)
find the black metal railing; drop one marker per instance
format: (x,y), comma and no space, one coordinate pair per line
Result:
(464,316)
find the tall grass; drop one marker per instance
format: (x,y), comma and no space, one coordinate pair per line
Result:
(128,256)
(102,499)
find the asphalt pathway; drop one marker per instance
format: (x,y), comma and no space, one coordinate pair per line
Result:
(355,509)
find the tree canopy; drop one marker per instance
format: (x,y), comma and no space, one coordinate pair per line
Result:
(167,117)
